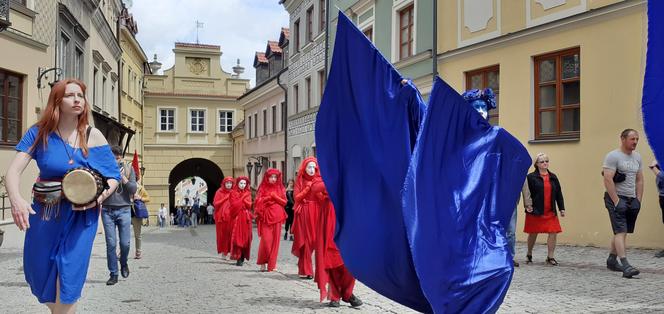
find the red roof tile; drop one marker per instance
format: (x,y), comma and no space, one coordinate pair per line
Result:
(261,57)
(273,46)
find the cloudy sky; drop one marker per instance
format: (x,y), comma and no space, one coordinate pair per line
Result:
(240,27)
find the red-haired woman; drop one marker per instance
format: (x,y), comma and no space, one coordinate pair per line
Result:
(222,219)
(270,215)
(305,222)
(241,217)
(59,235)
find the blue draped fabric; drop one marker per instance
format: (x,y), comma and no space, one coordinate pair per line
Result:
(653,82)
(366,128)
(423,195)
(460,192)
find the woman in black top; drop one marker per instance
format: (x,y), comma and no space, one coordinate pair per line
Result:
(289,208)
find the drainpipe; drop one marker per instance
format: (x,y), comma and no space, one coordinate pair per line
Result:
(434,50)
(284,125)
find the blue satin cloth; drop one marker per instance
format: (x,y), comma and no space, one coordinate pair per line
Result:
(423,194)
(459,194)
(365,130)
(653,82)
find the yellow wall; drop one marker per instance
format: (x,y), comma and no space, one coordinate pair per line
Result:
(611,83)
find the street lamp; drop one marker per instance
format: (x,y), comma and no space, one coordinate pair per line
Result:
(4,15)
(142,169)
(257,166)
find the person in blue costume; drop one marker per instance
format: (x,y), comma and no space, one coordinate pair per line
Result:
(58,241)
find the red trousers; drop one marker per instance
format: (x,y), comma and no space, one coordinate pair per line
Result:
(341,283)
(223,238)
(268,249)
(305,263)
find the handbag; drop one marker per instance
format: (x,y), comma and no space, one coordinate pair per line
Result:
(140,210)
(49,194)
(617,177)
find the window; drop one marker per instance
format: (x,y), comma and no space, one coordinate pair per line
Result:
(296,95)
(11,103)
(255,124)
(274,119)
(167,120)
(406,32)
(226,121)
(296,35)
(197,118)
(249,129)
(308,96)
(95,77)
(369,33)
(264,121)
(321,83)
(78,64)
(322,15)
(558,94)
(63,55)
(310,29)
(283,168)
(488,77)
(103,93)
(284,116)
(274,164)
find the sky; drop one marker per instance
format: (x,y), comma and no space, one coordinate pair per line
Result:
(240,27)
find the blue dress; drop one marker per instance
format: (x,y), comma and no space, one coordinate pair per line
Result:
(60,247)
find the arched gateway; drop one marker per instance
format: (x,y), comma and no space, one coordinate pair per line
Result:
(206,169)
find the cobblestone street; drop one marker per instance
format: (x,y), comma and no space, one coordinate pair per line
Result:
(181,273)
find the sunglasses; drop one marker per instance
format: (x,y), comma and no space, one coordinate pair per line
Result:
(542,161)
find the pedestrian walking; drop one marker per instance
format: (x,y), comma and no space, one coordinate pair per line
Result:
(241,218)
(222,216)
(270,215)
(141,196)
(623,180)
(116,213)
(290,202)
(162,215)
(210,212)
(334,280)
(59,235)
(195,213)
(659,180)
(541,215)
(305,222)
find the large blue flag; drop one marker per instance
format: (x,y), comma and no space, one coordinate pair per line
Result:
(460,193)
(653,82)
(366,128)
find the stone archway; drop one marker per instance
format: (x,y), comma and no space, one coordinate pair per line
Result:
(206,169)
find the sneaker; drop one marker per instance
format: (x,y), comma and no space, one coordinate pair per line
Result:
(124,271)
(354,301)
(112,280)
(334,304)
(629,271)
(613,265)
(137,255)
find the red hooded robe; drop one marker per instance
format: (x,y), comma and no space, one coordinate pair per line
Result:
(221,216)
(270,215)
(305,222)
(241,217)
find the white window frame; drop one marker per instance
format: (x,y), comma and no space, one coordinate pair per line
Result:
(189,116)
(396,7)
(175,119)
(369,23)
(219,111)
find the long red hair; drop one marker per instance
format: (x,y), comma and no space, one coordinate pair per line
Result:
(51,117)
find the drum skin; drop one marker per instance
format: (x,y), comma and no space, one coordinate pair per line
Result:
(82,186)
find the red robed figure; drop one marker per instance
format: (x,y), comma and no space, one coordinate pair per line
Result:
(305,222)
(241,217)
(222,211)
(270,216)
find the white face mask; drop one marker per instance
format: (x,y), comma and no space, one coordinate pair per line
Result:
(311,168)
(273,179)
(228,185)
(242,184)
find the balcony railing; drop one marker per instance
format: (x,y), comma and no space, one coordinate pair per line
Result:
(4,14)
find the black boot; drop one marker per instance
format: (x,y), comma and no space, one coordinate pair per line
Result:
(240,261)
(354,301)
(112,280)
(612,263)
(286,236)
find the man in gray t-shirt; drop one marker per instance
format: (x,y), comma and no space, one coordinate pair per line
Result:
(623,180)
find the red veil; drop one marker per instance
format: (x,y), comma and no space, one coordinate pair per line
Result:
(269,210)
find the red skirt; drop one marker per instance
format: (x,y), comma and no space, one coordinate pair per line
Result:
(546,223)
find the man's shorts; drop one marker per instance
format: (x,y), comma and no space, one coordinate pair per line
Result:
(622,216)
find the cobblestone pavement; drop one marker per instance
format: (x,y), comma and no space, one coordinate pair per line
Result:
(180,272)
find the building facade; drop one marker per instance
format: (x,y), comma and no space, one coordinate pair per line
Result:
(189,112)
(306,77)
(27,51)
(265,110)
(565,88)
(133,66)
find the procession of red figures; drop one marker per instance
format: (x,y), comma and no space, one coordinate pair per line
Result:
(313,228)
